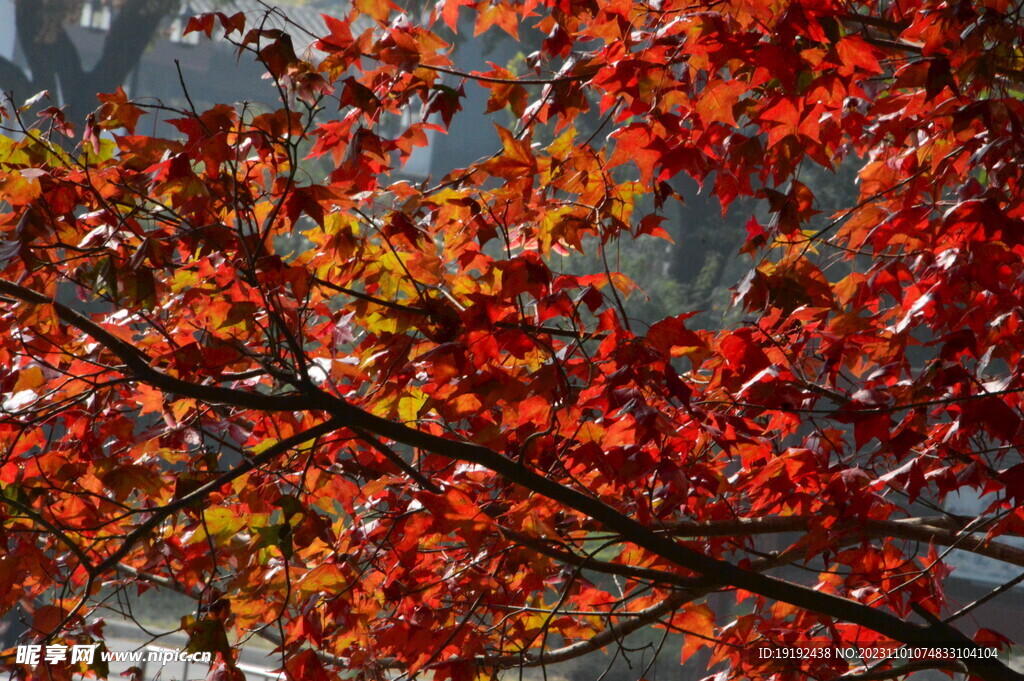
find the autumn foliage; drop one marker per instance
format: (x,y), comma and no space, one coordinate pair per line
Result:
(378,422)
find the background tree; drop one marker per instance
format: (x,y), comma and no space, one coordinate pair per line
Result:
(74,62)
(406,443)
(54,64)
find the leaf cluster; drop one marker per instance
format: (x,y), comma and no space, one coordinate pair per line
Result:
(377,422)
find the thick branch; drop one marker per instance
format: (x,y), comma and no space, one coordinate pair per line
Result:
(718,572)
(722,572)
(137,364)
(916,529)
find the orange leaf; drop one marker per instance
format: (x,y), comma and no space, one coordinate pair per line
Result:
(378,10)
(502,15)
(717,100)
(697,623)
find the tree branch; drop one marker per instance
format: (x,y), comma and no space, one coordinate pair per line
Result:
(266,633)
(916,529)
(606,637)
(479,77)
(718,572)
(590,563)
(61,536)
(693,589)
(138,365)
(200,493)
(393,456)
(721,572)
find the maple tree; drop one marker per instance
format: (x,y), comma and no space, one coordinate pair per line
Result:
(369,419)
